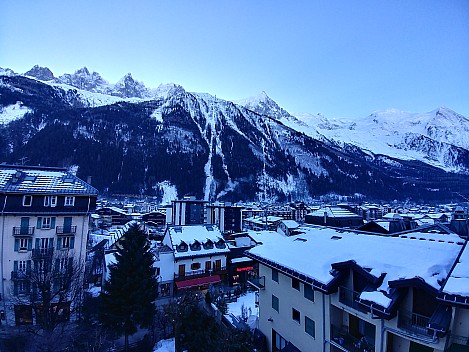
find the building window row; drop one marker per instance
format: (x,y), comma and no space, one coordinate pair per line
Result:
(49,201)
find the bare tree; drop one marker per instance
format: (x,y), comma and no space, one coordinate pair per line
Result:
(51,285)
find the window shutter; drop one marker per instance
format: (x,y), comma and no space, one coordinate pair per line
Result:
(51,243)
(15,266)
(52,223)
(28,267)
(57,265)
(17,244)
(37,243)
(59,242)
(15,289)
(70,265)
(30,244)
(39,223)
(72,242)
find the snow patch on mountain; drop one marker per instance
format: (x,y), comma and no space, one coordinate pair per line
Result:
(13,112)
(168,190)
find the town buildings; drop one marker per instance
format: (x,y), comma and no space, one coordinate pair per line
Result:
(339,290)
(44,227)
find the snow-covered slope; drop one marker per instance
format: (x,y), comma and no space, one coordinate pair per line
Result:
(435,137)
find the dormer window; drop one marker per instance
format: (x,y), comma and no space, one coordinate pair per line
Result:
(50,201)
(27,200)
(69,201)
(220,244)
(208,245)
(182,247)
(195,246)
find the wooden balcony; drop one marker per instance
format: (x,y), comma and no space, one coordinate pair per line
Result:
(194,274)
(66,230)
(23,231)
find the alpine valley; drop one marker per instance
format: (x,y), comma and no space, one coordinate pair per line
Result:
(134,140)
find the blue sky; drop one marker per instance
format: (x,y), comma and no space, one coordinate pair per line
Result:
(339,58)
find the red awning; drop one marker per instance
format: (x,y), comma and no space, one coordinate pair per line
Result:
(201,281)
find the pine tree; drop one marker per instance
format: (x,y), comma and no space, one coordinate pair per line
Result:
(128,297)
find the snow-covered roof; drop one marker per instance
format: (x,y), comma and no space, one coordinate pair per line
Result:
(333,212)
(35,180)
(290,224)
(202,234)
(458,281)
(313,253)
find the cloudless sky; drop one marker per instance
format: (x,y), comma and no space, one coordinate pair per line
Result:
(340,58)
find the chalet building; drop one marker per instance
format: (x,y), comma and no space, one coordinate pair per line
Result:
(187,211)
(164,264)
(258,223)
(334,216)
(225,216)
(200,255)
(45,219)
(155,218)
(338,290)
(288,227)
(459,222)
(113,216)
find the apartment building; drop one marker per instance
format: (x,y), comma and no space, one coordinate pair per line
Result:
(335,290)
(44,228)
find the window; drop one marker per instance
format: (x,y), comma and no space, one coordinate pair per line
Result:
(295,283)
(279,342)
(50,201)
(69,201)
(40,265)
(62,264)
(195,266)
(23,244)
(45,223)
(295,315)
(309,292)
(65,242)
(310,327)
(274,275)
(208,265)
(182,270)
(27,201)
(275,303)
(165,290)
(22,265)
(218,264)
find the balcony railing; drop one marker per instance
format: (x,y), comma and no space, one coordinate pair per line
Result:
(42,253)
(23,231)
(66,230)
(350,298)
(257,282)
(20,275)
(350,343)
(413,323)
(198,273)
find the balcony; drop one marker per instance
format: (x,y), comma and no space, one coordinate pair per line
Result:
(42,253)
(413,323)
(341,339)
(350,298)
(66,230)
(20,275)
(257,281)
(199,273)
(23,231)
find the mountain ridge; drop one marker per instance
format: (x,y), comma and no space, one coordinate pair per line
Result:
(201,144)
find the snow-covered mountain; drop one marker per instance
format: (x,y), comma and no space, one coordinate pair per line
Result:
(132,139)
(438,138)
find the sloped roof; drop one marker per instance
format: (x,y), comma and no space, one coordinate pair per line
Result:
(313,254)
(36,180)
(334,212)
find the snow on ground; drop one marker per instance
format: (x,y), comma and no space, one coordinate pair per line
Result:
(168,345)
(13,112)
(169,191)
(246,301)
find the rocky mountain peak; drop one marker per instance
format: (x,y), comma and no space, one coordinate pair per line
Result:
(41,73)
(127,87)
